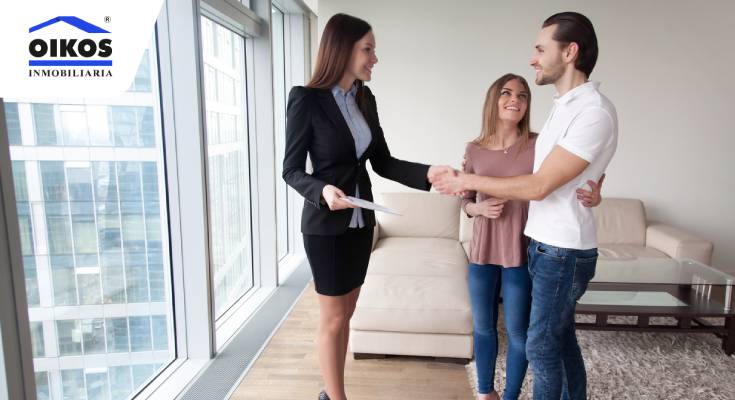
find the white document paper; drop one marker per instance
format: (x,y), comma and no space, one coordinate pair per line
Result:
(370,205)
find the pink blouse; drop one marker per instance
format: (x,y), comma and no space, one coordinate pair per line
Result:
(499,241)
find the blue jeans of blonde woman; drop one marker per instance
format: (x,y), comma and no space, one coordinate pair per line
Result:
(484,283)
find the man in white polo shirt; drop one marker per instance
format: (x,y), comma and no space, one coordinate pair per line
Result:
(575,145)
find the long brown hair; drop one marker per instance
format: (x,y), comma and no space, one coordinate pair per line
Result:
(490,113)
(335,49)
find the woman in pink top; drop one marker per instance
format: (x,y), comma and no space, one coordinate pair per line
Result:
(504,148)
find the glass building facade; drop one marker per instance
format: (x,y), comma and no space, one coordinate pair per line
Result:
(91,197)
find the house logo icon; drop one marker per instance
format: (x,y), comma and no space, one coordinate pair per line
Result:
(91,48)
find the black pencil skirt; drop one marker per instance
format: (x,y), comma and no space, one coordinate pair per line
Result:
(339,263)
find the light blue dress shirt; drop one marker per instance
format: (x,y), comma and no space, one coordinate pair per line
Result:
(360,132)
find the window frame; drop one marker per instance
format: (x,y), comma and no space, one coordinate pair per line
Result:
(181,96)
(298,25)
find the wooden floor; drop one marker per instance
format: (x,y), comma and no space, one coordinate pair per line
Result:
(289,369)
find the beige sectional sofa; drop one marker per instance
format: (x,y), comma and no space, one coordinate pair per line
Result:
(415,300)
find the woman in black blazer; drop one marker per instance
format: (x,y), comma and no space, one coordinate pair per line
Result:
(335,120)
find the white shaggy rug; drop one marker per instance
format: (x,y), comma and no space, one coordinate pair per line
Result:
(642,366)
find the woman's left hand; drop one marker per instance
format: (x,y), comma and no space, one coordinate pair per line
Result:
(591,198)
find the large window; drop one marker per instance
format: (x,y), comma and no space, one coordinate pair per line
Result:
(279,111)
(117,217)
(228,164)
(90,193)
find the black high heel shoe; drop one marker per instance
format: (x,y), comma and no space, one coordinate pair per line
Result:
(323,395)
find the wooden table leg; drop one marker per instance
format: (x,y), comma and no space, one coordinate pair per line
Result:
(728,339)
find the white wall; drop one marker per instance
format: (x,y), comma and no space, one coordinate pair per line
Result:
(313,5)
(667,65)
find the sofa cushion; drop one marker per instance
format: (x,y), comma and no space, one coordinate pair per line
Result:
(424,215)
(678,244)
(409,303)
(621,221)
(411,344)
(418,256)
(466,247)
(628,251)
(465,228)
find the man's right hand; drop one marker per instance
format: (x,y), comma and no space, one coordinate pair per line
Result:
(335,198)
(491,208)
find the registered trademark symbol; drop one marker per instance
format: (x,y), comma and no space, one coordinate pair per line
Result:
(107,19)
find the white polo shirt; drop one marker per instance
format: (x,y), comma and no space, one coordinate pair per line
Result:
(585,123)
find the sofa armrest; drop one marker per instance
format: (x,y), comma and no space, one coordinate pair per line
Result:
(678,244)
(376,235)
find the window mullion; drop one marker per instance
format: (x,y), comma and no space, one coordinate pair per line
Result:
(183,110)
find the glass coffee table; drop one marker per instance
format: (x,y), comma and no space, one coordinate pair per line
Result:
(694,295)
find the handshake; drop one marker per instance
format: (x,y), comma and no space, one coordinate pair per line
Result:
(447,180)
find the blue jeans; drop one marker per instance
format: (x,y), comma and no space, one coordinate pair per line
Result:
(484,286)
(560,277)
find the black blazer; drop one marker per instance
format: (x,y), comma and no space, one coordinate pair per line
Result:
(316,125)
